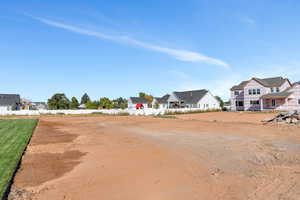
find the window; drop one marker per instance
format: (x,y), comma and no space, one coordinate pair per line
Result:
(272,90)
(239,103)
(258,91)
(250,92)
(254,91)
(236,93)
(254,102)
(277,90)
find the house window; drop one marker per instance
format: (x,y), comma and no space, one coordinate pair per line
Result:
(258,91)
(236,93)
(277,90)
(239,103)
(254,102)
(250,92)
(254,92)
(272,90)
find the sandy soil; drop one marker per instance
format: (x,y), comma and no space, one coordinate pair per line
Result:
(234,117)
(226,156)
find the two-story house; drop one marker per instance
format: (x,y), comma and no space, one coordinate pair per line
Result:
(265,94)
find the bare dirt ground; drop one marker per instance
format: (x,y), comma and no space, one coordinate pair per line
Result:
(226,156)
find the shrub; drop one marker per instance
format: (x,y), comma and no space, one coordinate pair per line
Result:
(97,113)
(165,116)
(190,111)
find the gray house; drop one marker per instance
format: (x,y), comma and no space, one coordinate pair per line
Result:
(9,102)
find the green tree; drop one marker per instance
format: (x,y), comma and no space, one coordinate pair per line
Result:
(74,103)
(59,101)
(142,94)
(106,103)
(85,98)
(221,101)
(148,97)
(92,105)
(120,103)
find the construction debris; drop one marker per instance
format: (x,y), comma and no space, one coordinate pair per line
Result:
(292,117)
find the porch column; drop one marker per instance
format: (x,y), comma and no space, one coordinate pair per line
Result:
(261,104)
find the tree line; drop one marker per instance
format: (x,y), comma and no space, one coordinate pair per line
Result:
(59,101)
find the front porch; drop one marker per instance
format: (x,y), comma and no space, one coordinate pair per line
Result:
(176,104)
(276,101)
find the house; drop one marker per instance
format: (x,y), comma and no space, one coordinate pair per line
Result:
(202,99)
(256,94)
(134,101)
(39,106)
(82,106)
(9,102)
(160,102)
(25,104)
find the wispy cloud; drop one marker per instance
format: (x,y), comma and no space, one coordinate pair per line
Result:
(182,55)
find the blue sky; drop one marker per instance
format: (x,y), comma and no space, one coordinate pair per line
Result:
(121,47)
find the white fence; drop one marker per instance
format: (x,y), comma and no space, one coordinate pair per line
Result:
(147,111)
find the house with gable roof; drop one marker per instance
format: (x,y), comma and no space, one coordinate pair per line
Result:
(201,99)
(257,94)
(9,102)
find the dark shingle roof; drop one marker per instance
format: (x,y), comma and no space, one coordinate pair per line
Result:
(191,97)
(278,94)
(137,100)
(271,82)
(9,99)
(296,83)
(240,86)
(163,99)
(267,82)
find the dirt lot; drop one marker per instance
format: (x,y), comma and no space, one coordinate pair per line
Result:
(226,156)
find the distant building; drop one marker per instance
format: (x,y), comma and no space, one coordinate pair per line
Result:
(257,94)
(82,106)
(134,101)
(25,104)
(9,102)
(160,102)
(39,106)
(202,99)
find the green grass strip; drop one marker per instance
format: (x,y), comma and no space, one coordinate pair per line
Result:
(14,137)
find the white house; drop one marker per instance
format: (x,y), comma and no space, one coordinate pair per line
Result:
(202,99)
(9,102)
(39,106)
(133,101)
(160,102)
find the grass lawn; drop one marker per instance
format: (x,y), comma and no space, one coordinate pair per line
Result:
(14,137)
